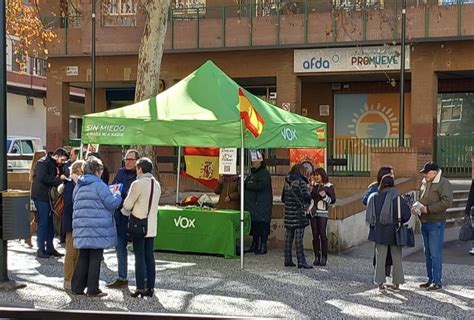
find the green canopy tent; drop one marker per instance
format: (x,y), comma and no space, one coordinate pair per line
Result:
(203,110)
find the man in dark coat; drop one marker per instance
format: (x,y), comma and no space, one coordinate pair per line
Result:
(125,175)
(258,200)
(45,177)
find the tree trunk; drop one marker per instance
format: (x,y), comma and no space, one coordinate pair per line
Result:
(149,57)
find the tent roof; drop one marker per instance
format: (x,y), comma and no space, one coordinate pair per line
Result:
(200,110)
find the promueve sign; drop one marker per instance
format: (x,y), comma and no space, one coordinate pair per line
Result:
(349,59)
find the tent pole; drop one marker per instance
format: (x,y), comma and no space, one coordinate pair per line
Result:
(81,157)
(242,198)
(178,175)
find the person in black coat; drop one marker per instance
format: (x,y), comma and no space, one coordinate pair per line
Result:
(296,197)
(46,176)
(470,210)
(382,218)
(258,200)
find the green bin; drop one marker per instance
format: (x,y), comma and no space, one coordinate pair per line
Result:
(16,214)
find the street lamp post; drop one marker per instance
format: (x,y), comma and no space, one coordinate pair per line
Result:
(402,77)
(93,57)
(5,283)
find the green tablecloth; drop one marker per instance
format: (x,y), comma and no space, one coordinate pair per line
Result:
(198,230)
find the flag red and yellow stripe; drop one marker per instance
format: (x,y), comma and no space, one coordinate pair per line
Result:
(321,134)
(252,119)
(202,164)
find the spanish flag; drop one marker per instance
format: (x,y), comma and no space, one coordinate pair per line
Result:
(252,119)
(202,164)
(321,134)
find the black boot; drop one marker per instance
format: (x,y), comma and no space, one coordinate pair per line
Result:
(253,247)
(262,249)
(324,252)
(317,257)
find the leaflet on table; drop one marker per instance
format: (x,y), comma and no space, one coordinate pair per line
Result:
(115,187)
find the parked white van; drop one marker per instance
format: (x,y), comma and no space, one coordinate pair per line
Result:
(21,147)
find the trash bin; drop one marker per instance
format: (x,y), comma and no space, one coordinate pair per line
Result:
(16,214)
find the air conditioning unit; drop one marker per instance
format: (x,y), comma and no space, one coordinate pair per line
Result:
(30,101)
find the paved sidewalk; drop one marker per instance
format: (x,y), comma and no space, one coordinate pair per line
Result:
(214,285)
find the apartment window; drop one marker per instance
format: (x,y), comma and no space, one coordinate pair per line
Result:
(75,127)
(121,13)
(39,67)
(188,8)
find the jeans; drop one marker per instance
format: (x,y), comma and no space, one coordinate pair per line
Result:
(144,262)
(45,230)
(433,238)
(121,247)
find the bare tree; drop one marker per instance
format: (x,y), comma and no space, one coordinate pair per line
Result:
(150,55)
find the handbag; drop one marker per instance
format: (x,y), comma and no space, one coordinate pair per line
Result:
(56,201)
(466,233)
(404,235)
(137,228)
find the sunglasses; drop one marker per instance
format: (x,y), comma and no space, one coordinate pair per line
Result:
(130,159)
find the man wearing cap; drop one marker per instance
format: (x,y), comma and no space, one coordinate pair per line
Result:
(436,196)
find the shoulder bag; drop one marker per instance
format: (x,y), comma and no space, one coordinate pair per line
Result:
(404,235)
(137,228)
(466,233)
(308,209)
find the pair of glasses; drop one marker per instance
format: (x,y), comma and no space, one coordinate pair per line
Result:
(129,159)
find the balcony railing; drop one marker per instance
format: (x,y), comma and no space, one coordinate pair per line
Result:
(280,24)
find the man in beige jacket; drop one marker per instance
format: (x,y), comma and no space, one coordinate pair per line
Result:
(436,197)
(142,202)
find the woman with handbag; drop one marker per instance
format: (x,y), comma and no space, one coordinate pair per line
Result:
(296,197)
(386,212)
(323,195)
(141,204)
(93,226)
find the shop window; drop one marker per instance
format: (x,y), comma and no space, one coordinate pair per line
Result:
(456,114)
(121,13)
(451,109)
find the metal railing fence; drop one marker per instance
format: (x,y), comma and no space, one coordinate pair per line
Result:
(454,155)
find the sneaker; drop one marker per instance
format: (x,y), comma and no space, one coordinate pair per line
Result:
(117,284)
(394,287)
(425,285)
(434,287)
(471,251)
(381,287)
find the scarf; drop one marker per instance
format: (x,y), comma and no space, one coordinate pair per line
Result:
(386,213)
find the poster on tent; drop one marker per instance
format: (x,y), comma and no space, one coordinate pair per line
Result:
(91,148)
(310,158)
(228,161)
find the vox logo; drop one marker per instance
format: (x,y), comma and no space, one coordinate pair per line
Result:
(289,134)
(184,223)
